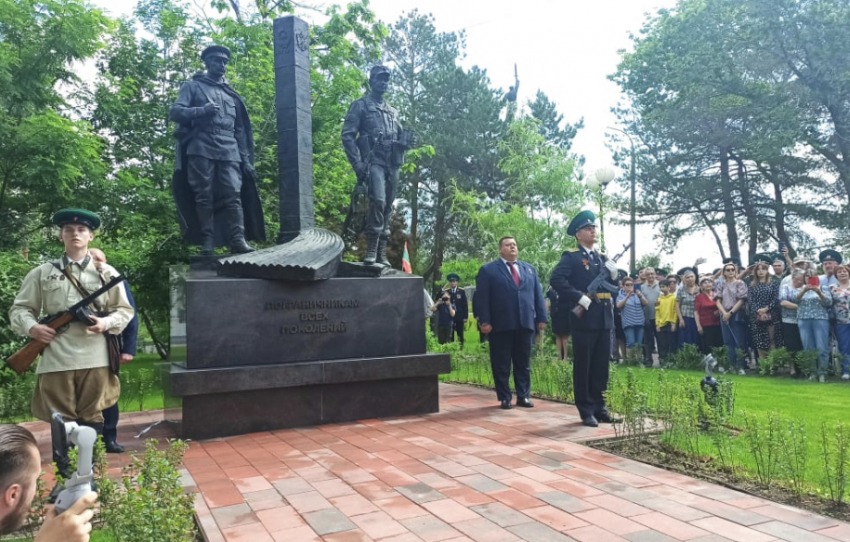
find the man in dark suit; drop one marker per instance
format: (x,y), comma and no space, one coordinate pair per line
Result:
(509,304)
(461,307)
(592,332)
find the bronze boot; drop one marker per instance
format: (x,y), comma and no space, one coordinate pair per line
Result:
(371,251)
(237,233)
(382,252)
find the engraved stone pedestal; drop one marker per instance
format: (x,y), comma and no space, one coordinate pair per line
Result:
(257,355)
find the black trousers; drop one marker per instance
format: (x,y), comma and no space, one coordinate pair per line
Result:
(110,423)
(444,334)
(511,348)
(591,352)
(648,342)
(458,330)
(666,341)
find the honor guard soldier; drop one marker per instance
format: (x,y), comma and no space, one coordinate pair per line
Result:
(461,307)
(592,331)
(74,377)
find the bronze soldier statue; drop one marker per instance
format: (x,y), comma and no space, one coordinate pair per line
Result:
(375,142)
(214,181)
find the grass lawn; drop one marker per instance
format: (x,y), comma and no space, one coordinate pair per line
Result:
(141,374)
(808,403)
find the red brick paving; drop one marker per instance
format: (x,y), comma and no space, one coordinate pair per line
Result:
(470,473)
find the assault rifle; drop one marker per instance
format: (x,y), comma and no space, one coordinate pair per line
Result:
(21,360)
(601,281)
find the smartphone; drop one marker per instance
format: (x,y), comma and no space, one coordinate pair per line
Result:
(814,281)
(781,247)
(637,287)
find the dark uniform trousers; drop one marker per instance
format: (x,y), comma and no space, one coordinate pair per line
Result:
(458,330)
(383,183)
(506,346)
(591,352)
(110,423)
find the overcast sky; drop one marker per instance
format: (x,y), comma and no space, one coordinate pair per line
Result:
(567,48)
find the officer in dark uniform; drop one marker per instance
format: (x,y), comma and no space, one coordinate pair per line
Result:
(374,143)
(214,178)
(461,307)
(592,332)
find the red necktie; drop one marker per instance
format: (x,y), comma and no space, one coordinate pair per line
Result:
(514,272)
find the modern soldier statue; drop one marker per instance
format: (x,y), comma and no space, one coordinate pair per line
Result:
(375,142)
(214,181)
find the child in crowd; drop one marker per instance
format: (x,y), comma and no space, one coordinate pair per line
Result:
(665,320)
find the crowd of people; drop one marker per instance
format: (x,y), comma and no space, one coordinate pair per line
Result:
(773,303)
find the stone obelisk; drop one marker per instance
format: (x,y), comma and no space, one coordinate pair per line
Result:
(304,252)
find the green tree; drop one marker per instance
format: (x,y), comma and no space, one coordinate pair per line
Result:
(47,159)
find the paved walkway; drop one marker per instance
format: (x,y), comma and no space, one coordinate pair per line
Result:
(472,472)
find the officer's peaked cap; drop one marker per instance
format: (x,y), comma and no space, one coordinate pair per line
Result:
(581,220)
(76,216)
(215,50)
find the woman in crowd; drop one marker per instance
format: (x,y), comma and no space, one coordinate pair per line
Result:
(788,302)
(730,295)
(707,317)
(560,317)
(630,304)
(841,306)
(762,298)
(688,332)
(813,302)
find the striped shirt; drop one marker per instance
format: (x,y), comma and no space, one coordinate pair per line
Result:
(632,311)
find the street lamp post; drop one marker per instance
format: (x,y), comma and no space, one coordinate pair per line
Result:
(600,179)
(632,204)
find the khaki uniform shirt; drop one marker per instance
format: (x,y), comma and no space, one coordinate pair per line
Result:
(46,291)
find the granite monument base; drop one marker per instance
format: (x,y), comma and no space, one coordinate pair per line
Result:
(252,355)
(236,400)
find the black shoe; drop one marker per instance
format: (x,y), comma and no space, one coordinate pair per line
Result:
(506,405)
(590,421)
(605,417)
(113,447)
(526,403)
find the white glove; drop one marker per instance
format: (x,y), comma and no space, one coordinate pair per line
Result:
(612,268)
(584,302)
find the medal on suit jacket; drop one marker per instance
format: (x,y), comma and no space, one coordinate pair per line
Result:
(586,266)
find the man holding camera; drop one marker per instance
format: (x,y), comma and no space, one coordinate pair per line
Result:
(445,310)
(20,467)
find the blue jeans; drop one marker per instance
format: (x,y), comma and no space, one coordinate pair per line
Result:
(842,333)
(815,336)
(734,337)
(634,336)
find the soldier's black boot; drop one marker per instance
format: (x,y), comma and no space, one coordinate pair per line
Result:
(371,251)
(382,252)
(237,233)
(206,226)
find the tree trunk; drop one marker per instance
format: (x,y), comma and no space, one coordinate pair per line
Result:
(728,204)
(749,210)
(716,235)
(413,197)
(162,348)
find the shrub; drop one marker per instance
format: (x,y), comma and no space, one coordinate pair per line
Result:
(835,453)
(687,357)
(16,394)
(149,504)
(807,362)
(763,441)
(775,360)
